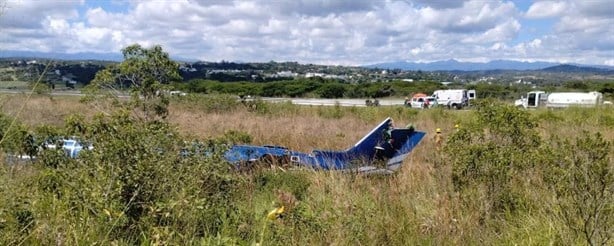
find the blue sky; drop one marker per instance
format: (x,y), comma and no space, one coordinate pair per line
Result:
(337,32)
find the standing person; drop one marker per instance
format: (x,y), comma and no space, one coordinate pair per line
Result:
(438,139)
(385,148)
(387,133)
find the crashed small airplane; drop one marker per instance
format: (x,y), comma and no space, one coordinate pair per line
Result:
(381,151)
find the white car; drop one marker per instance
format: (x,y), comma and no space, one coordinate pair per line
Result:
(71,146)
(418,102)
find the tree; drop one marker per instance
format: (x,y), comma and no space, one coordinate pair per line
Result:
(331,90)
(146,73)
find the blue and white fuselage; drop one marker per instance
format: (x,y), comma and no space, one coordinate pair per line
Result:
(375,152)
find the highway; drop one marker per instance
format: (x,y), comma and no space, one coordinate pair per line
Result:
(298,101)
(54,93)
(333,102)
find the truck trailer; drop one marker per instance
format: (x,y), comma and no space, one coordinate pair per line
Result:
(538,99)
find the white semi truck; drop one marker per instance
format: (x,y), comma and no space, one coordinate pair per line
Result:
(538,99)
(454,98)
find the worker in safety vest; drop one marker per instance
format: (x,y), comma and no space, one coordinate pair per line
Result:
(438,139)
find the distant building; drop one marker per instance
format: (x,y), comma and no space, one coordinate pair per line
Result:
(286,74)
(311,75)
(523,82)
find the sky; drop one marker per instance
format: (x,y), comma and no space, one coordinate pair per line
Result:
(332,32)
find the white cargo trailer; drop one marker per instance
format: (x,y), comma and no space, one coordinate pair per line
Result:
(536,99)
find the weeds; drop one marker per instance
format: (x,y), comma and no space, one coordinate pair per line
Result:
(500,179)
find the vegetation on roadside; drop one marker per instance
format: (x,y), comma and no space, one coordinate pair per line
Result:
(505,176)
(493,183)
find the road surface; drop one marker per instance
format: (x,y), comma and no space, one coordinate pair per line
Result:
(297,101)
(333,102)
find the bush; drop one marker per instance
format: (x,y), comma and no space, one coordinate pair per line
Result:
(492,155)
(15,139)
(581,174)
(134,182)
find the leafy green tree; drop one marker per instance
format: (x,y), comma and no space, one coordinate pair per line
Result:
(577,85)
(146,73)
(331,90)
(607,89)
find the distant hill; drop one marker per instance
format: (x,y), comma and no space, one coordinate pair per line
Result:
(452,65)
(567,68)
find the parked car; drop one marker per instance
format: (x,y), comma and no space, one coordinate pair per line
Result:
(419,102)
(71,146)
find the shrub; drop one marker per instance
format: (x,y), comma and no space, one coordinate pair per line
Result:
(135,182)
(492,154)
(581,174)
(15,138)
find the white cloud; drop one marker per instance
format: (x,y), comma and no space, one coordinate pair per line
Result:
(440,4)
(31,14)
(498,46)
(315,31)
(474,16)
(546,9)
(536,43)
(596,8)
(502,32)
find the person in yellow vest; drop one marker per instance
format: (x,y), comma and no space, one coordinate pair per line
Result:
(457,127)
(438,139)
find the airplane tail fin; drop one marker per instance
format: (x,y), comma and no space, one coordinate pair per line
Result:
(381,151)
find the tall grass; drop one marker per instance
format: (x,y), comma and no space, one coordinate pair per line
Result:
(417,205)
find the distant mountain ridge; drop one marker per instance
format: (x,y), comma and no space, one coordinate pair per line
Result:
(568,68)
(452,65)
(447,65)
